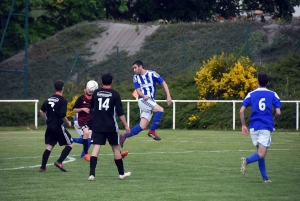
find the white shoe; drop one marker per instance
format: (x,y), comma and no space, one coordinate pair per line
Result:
(126,174)
(91,178)
(243,165)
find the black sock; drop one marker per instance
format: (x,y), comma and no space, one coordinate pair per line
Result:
(93,164)
(85,146)
(46,155)
(119,164)
(65,152)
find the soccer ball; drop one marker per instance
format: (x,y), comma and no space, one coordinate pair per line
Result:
(92,85)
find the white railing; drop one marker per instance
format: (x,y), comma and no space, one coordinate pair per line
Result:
(26,101)
(212,101)
(174,108)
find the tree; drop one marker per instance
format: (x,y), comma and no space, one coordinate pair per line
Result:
(176,10)
(278,8)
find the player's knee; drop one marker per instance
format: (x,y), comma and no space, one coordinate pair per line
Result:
(143,126)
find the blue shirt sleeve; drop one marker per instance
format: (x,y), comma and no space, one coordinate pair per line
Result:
(276,101)
(247,101)
(157,78)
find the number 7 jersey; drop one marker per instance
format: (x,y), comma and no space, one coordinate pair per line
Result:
(56,109)
(262,101)
(106,104)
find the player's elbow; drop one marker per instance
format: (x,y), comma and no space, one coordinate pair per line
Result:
(278,112)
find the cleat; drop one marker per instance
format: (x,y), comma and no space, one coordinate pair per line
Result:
(60,166)
(91,178)
(121,140)
(124,153)
(87,157)
(243,165)
(267,181)
(126,174)
(43,170)
(153,135)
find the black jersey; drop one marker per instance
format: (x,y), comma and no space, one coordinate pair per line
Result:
(55,108)
(106,104)
(84,102)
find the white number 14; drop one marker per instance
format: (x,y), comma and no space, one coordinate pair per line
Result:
(104,105)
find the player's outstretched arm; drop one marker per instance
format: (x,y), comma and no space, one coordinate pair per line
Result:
(169,99)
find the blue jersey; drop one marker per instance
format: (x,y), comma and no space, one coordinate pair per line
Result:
(261,100)
(147,83)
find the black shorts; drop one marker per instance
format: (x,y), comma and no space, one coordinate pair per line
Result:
(100,138)
(57,134)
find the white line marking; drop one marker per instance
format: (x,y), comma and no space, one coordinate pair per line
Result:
(161,152)
(71,159)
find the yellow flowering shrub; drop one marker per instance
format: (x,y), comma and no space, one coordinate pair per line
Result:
(223,77)
(70,114)
(193,119)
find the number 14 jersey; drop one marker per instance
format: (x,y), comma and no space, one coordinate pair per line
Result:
(106,104)
(261,101)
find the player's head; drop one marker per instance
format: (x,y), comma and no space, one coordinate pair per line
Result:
(59,85)
(138,66)
(107,79)
(86,91)
(263,79)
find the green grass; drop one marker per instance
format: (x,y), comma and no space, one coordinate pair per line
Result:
(185,165)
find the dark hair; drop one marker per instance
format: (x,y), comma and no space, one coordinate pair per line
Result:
(58,85)
(107,79)
(138,63)
(263,79)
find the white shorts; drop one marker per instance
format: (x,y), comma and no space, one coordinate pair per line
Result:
(262,137)
(146,107)
(79,130)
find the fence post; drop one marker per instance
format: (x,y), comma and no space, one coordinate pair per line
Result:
(247,40)
(118,64)
(184,52)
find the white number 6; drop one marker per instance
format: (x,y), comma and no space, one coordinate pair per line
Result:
(261,104)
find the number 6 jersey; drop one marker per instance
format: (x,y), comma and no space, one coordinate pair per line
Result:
(106,104)
(56,109)
(261,101)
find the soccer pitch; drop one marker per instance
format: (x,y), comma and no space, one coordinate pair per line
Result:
(184,165)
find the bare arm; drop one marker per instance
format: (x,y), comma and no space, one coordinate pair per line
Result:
(242,118)
(140,93)
(77,110)
(122,118)
(277,114)
(169,99)
(66,121)
(44,116)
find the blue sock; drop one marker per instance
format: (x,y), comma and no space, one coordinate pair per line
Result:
(262,168)
(77,140)
(134,131)
(156,120)
(89,144)
(253,158)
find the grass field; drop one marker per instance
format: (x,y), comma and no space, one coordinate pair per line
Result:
(185,165)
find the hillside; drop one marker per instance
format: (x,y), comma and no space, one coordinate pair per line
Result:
(176,51)
(169,49)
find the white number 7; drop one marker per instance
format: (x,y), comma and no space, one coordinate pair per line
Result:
(52,105)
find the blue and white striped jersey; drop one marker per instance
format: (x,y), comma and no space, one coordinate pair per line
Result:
(147,83)
(261,100)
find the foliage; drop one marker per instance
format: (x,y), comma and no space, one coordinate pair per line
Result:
(70,113)
(223,77)
(279,9)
